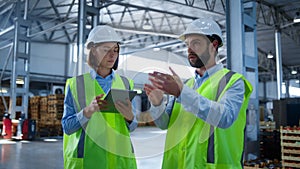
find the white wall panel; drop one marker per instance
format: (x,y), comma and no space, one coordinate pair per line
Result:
(48,58)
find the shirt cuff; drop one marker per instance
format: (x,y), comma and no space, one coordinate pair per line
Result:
(133,125)
(157,111)
(81,118)
(186,95)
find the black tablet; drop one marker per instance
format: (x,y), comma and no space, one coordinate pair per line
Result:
(115,95)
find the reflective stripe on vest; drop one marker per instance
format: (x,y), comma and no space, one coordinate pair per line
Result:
(82,103)
(187,137)
(81,100)
(104,142)
(211,140)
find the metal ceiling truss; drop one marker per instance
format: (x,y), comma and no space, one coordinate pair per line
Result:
(209,4)
(162,16)
(52,27)
(268,16)
(56,21)
(59,24)
(164,22)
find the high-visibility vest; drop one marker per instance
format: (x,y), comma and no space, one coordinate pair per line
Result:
(191,143)
(104,142)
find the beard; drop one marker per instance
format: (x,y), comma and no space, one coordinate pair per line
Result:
(200,62)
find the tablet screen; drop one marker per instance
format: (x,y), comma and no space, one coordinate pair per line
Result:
(115,95)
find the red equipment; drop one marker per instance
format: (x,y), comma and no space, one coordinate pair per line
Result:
(7,127)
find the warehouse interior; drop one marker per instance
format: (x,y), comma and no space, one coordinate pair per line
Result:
(42,45)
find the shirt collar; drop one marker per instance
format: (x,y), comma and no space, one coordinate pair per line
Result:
(210,71)
(95,75)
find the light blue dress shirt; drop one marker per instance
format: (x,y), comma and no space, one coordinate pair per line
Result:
(73,121)
(221,114)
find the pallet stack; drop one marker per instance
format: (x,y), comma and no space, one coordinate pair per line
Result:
(262,164)
(34,106)
(55,111)
(42,127)
(56,106)
(43,111)
(47,111)
(290,146)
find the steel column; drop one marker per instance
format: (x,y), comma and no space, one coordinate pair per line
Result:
(278,63)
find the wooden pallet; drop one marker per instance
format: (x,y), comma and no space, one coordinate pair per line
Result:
(56,97)
(267,125)
(249,167)
(290,146)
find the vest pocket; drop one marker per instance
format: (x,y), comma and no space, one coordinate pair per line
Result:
(73,163)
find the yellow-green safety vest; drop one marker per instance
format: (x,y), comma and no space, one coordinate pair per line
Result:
(191,143)
(104,142)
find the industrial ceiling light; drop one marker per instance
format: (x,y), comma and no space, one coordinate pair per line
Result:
(147,25)
(270,55)
(2,90)
(297,18)
(156,49)
(19,81)
(293,72)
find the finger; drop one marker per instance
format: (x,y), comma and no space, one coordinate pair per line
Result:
(99,96)
(94,102)
(161,77)
(126,105)
(120,106)
(103,107)
(158,75)
(156,84)
(148,88)
(157,79)
(173,72)
(128,102)
(102,103)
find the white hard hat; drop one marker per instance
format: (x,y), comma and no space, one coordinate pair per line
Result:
(203,27)
(103,33)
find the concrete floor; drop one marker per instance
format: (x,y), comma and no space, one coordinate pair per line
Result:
(47,153)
